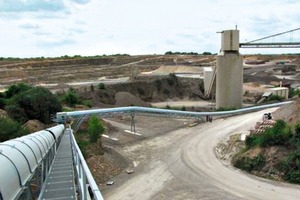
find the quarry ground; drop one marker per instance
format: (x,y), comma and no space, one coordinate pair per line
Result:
(182,164)
(170,158)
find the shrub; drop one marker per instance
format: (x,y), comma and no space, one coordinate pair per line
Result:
(226,108)
(101,86)
(92,87)
(10,129)
(71,99)
(37,103)
(290,166)
(280,134)
(87,103)
(250,164)
(95,129)
(2,103)
(16,89)
(172,79)
(297,132)
(158,85)
(17,113)
(293,92)
(275,97)
(83,146)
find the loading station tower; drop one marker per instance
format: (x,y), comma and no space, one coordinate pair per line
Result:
(229,78)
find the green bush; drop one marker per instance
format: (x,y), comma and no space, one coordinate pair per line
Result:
(2,103)
(10,129)
(16,89)
(71,98)
(87,103)
(275,97)
(172,79)
(293,92)
(290,166)
(37,103)
(248,164)
(92,87)
(95,129)
(297,132)
(226,109)
(83,146)
(280,134)
(101,86)
(17,113)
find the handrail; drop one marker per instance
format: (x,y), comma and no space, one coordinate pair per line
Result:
(83,174)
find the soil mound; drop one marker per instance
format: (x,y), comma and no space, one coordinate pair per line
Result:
(127,99)
(34,125)
(289,113)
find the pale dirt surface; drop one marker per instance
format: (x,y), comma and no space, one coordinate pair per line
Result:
(181,103)
(182,165)
(177,69)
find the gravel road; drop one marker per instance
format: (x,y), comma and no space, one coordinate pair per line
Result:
(182,165)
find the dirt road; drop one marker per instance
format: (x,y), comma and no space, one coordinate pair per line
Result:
(182,165)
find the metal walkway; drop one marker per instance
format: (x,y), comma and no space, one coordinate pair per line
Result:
(60,182)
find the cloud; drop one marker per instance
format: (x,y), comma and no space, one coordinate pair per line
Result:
(90,27)
(81,1)
(31,5)
(55,43)
(29,26)
(36,5)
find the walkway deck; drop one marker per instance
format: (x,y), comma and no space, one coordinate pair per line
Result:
(60,184)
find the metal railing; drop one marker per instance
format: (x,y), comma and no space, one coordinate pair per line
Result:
(86,184)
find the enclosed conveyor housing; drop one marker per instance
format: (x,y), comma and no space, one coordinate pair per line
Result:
(26,157)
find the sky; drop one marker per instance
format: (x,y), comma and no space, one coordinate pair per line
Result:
(50,28)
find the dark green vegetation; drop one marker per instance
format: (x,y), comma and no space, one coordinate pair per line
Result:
(90,134)
(71,98)
(24,102)
(61,57)
(226,109)
(95,129)
(10,129)
(250,164)
(280,135)
(293,92)
(186,53)
(275,97)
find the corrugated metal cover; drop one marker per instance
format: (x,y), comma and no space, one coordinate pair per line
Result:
(57,130)
(39,142)
(48,138)
(26,151)
(9,187)
(33,145)
(18,160)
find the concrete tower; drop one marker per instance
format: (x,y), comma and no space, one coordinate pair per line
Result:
(229,83)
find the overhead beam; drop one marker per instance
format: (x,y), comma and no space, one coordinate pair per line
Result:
(271,45)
